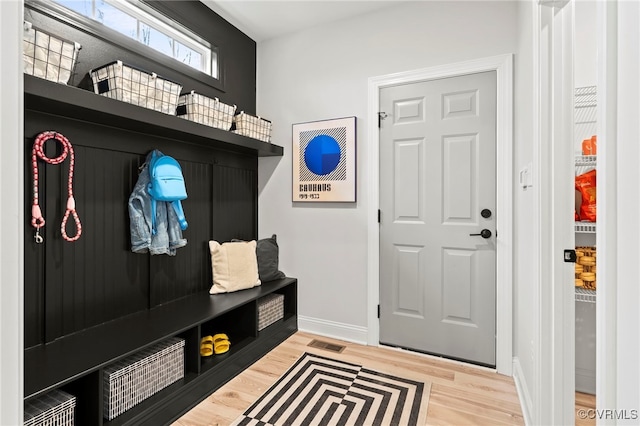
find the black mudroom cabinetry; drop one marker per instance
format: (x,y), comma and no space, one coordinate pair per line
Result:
(92,302)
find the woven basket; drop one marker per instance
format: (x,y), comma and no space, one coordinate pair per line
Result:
(270,310)
(252,126)
(139,376)
(585,267)
(204,110)
(48,56)
(55,408)
(125,83)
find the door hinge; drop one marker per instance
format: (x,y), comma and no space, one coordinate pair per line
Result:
(379,213)
(381,116)
(570,256)
(378,311)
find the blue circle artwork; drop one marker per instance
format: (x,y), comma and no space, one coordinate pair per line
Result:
(322,155)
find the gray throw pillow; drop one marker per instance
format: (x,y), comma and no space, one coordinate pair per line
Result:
(267,253)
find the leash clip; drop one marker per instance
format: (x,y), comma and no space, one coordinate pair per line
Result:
(38,237)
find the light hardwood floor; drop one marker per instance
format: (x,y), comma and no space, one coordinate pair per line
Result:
(459,394)
(585,401)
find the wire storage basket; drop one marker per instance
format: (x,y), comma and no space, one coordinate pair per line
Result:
(54,408)
(204,110)
(48,56)
(141,375)
(126,83)
(252,126)
(270,310)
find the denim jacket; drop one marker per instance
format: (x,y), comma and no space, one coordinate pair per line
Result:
(168,235)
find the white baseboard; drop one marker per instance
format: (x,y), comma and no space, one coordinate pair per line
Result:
(524,395)
(336,330)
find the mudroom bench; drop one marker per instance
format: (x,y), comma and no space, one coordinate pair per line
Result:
(91,305)
(76,363)
(82,316)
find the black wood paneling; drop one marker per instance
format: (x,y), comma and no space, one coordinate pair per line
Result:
(34,261)
(236,197)
(96,277)
(189,271)
(74,286)
(222,205)
(71,287)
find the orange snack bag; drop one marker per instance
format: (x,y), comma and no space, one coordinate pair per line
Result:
(586,184)
(590,146)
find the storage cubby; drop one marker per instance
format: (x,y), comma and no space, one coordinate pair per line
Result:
(237,324)
(290,307)
(88,409)
(290,302)
(190,318)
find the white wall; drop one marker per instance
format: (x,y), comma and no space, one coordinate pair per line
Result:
(11,214)
(322,73)
(586,44)
(526,286)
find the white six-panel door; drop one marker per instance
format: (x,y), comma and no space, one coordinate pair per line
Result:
(437,176)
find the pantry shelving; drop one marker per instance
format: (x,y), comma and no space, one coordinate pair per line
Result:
(585,128)
(585,295)
(585,231)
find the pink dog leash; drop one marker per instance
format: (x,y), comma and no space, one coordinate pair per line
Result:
(37,220)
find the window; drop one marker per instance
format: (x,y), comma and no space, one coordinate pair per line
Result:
(147,26)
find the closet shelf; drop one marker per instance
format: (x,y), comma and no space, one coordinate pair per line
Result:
(586,97)
(586,227)
(586,160)
(584,295)
(71,102)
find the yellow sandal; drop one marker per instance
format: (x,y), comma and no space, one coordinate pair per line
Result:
(206,346)
(221,343)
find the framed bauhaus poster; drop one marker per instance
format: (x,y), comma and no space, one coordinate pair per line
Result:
(324,161)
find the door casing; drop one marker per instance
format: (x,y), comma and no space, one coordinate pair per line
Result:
(553,388)
(503,65)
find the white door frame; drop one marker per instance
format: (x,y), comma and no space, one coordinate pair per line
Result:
(608,232)
(553,161)
(503,65)
(612,159)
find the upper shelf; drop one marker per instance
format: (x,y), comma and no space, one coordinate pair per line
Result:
(68,101)
(586,160)
(585,295)
(586,227)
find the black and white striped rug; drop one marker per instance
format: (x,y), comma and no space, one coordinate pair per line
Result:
(322,391)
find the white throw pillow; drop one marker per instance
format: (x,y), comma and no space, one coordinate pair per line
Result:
(234,266)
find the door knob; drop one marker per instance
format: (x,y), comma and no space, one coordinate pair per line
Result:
(486,213)
(485,233)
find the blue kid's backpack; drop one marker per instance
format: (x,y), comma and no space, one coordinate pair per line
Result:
(167,184)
